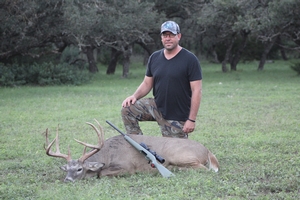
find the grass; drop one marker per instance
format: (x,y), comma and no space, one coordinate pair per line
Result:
(248,119)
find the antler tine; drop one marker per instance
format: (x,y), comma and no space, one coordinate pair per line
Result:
(49,152)
(101,130)
(96,148)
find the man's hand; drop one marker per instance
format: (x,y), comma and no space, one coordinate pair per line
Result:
(188,127)
(128,101)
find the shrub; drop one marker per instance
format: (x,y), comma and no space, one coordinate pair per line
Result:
(296,67)
(43,74)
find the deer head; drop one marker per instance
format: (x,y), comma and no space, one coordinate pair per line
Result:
(80,168)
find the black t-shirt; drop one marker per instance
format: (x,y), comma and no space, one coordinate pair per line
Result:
(171,88)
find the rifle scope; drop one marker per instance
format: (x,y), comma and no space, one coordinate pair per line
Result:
(159,158)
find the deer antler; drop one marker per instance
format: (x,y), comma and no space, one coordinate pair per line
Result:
(57,153)
(97,147)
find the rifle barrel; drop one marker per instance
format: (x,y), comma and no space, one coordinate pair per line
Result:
(115,127)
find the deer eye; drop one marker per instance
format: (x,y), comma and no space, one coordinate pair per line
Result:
(79,170)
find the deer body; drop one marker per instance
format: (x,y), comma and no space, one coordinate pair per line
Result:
(116,157)
(120,157)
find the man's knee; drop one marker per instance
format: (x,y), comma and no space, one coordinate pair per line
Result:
(124,111)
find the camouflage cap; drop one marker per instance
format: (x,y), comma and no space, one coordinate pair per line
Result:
(170,26)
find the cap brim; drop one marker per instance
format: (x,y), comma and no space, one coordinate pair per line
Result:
(165,30)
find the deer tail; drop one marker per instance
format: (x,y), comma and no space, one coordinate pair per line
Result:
(213,162)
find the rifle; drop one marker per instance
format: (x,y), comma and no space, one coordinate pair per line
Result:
(159,158)
(149,156)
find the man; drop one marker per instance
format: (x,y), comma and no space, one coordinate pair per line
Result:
(175,76)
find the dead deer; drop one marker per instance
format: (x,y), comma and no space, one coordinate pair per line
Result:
(115,156)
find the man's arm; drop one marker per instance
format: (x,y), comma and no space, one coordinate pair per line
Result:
(144,88)
(196,87)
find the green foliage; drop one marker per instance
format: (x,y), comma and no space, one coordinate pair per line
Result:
(254,50)
(248,119)
(69,55)
(38,28)
(43,74)
(296,67)
(104,56)
(25,30)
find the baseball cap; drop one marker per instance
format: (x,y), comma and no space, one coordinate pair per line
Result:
(170,26)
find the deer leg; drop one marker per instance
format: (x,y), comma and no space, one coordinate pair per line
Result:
(112,172)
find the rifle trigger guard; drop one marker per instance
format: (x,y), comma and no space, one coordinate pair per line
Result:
(152,165)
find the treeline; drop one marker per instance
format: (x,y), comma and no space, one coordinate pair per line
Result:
(224,31)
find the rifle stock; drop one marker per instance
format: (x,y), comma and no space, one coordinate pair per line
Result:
(149,156)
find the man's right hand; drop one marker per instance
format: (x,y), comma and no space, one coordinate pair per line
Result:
(128,101)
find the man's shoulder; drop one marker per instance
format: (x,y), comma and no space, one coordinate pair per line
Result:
(189,56)
(187,52)
(156,55)
(157,52)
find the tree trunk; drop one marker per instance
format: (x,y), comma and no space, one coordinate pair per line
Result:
(227,55)
(145,58)
(212,52)
(265,53)
(215,55)
(224,67)
(89,51)
(240,50)
(126,63)
(114,55)
(282,50)
(283,54)
(148,50)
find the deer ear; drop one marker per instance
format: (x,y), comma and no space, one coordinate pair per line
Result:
(64,168)
(93,166)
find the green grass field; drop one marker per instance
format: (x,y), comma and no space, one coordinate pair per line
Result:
(250,120)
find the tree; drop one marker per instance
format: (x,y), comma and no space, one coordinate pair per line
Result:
(113,24)
(133,22)
(30,28)
(270,21)
(218,18)
(224,28)
(240,49)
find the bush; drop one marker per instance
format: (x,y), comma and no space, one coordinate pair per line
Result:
(296,67)
(43,74)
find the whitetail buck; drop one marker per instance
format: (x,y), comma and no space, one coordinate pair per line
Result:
(115,156)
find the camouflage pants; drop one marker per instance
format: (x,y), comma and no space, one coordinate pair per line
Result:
(146,110)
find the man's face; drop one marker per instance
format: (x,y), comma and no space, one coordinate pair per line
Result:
(170,40)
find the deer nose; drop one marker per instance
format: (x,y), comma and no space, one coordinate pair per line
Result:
(69,179)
